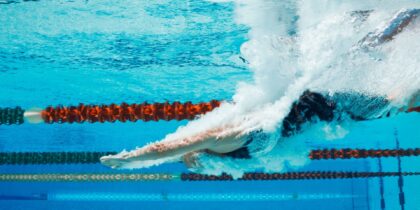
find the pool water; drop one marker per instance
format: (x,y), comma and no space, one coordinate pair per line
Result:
(113,51)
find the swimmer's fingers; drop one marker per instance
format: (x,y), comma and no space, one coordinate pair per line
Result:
(109,161)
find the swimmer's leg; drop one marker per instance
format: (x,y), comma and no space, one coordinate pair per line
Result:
(394,27)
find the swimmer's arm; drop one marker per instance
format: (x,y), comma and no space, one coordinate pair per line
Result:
(173,148)
(218,140)
(159,150)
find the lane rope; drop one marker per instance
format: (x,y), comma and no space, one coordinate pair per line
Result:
(139,177)
(126,112)
(9,116)
(29,158)
(114,112)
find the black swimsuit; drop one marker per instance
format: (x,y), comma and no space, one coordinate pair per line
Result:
(313,106)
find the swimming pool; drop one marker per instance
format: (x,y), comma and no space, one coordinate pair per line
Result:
(103,52)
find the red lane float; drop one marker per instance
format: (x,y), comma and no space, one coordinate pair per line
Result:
(127,112)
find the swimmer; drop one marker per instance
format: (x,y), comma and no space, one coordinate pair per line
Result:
(231,142)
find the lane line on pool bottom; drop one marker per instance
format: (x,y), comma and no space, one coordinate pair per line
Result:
(107,196)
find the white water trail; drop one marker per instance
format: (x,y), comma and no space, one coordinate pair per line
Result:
(298,45)
(319,51)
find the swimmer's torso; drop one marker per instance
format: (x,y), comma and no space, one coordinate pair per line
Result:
(311,107)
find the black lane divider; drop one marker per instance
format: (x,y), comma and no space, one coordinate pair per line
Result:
(28,158)
(83,157)
(9,116)
(308,175)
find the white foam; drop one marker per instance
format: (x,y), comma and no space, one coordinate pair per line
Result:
(320,52)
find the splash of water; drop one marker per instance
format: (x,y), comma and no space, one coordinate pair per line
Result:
(326,46)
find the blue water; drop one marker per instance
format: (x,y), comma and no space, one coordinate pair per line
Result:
(70,52)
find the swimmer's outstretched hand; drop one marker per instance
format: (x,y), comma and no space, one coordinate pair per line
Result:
(115,161)
(219,140)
